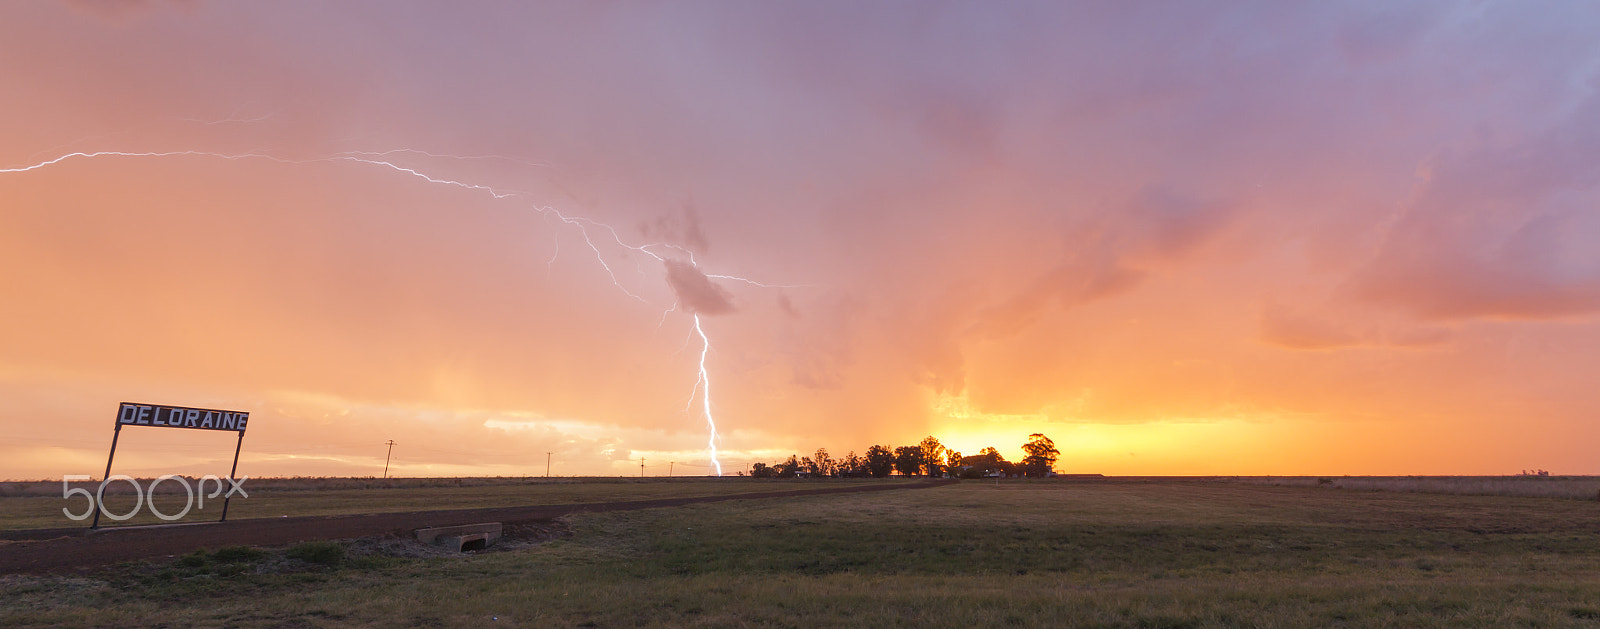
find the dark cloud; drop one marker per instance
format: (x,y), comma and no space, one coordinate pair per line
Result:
(696,292)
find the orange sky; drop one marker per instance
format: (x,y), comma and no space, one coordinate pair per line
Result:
(1266,239)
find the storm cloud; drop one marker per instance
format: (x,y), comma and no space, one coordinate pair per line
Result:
(695,291)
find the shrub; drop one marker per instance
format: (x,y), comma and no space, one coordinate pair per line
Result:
(324,553)
(193,560)
(238,554)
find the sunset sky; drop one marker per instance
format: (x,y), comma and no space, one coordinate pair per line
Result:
(1177,238)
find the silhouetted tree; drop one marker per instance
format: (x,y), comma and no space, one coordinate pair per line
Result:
(852,466)
(1041,457)
(928,457)
(826,465)
(908,460)
(986,461)
(932,456)
(789,468)
(880,461)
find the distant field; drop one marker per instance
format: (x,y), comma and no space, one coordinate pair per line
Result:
(1571,487)
(38,504)
(1019,554)
(25,505)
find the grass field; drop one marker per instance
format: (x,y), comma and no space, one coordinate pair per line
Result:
(1026,554)
(39,504)
(1570,487)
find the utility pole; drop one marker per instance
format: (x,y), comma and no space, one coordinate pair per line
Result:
(641,467)
(386,458)
(547,464)
(669,468)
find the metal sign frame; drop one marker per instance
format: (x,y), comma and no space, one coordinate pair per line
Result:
(135,414)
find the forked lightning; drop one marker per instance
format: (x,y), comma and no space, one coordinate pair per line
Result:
(702,386)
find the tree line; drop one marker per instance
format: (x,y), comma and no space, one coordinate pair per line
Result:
(928,458)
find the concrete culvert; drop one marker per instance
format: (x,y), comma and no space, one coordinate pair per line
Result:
(462,538)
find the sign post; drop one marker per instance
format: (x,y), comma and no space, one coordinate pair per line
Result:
(231,472)
(114,434)
(133,414)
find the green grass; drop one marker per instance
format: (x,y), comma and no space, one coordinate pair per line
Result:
(1024,554)
(271,498)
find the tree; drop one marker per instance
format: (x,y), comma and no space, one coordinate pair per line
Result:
(932,455)
(880,461)
(787,469)
(952,460)
(852,466)
(826,465)
(908,460)
(1042,454)
(986,461)
(762,470)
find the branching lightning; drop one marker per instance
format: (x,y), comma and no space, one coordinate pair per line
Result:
(753,282)
(702,386)
(52,162)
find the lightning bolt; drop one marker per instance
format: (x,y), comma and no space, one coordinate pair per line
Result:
(702,386)
(703,383)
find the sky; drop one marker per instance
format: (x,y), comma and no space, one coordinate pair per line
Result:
(1209,238)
